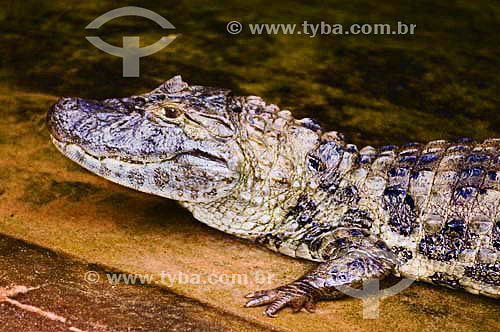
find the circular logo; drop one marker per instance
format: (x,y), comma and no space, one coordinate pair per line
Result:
(91,277)
(234,27)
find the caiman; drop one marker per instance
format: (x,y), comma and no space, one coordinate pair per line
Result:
(428,212)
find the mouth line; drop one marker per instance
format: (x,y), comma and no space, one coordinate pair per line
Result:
(197,153)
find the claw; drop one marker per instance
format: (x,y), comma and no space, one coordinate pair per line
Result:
(256,294)
(310,306)
(295,296)
(260,301)
(269,314)
(277,306)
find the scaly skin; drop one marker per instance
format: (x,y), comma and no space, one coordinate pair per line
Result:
(429,212)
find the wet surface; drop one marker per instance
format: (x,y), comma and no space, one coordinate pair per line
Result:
(441,82)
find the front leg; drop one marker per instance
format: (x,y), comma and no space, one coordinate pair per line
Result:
(349,267)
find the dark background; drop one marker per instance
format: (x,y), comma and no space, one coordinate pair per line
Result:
(441,82)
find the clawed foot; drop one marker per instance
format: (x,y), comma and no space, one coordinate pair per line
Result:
(296,295)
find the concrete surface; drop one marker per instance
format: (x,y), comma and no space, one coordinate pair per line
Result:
(79,306)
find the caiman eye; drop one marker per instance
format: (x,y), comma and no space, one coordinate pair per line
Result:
(170,112)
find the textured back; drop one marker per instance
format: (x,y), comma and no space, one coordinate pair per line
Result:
(438,208)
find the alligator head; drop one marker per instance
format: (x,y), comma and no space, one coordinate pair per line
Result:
(198,145)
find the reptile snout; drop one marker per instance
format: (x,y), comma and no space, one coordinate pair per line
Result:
(57,120)
(64,116)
